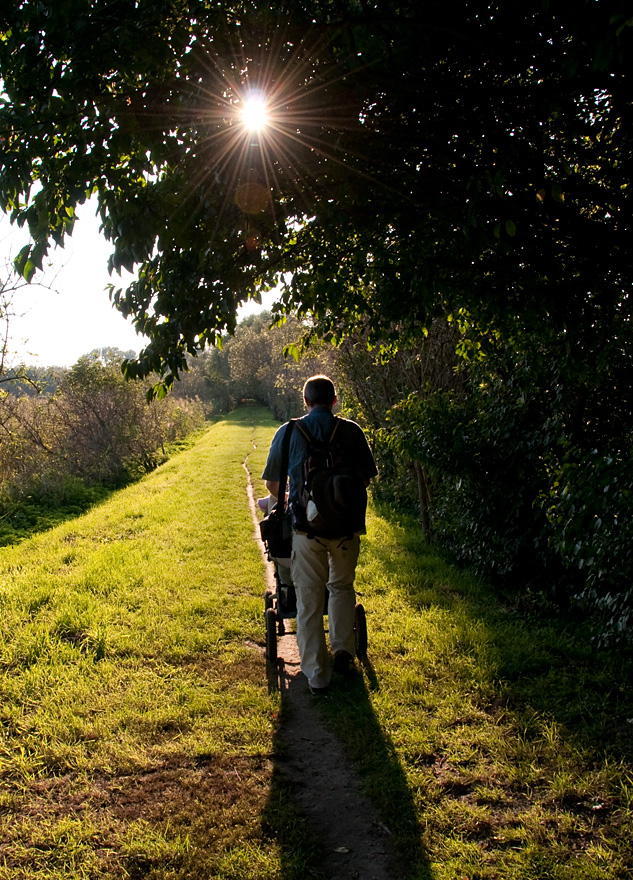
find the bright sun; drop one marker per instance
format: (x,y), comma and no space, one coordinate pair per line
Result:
(254,114)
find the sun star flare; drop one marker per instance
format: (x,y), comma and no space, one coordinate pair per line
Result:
(254,114)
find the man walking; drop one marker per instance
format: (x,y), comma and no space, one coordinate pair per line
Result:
(319,563)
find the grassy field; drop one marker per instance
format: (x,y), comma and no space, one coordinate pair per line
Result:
(138,731)
(497,743)
(135,719)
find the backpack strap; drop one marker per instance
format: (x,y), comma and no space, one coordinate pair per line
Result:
(283,474)
(309,437)
(335,428)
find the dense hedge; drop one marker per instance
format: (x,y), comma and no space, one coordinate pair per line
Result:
(528,467)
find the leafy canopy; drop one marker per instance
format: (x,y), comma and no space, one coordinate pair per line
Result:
(418,159)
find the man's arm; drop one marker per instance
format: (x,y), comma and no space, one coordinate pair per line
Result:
(273,463)
(273,487)
(360,452)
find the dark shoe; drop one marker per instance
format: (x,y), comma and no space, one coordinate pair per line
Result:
(319,692)
(343,663)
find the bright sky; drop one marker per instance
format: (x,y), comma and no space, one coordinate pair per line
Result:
(56,326)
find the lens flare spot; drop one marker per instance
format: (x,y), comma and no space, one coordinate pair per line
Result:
(251,198)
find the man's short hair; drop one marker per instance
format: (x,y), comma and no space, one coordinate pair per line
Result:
(319,391)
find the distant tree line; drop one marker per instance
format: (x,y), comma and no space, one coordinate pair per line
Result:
(254,365)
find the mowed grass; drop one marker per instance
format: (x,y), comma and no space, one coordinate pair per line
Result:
(135,718)
(496,742)
(138,734)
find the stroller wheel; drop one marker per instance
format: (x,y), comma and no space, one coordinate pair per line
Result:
(271,635)
(360,631)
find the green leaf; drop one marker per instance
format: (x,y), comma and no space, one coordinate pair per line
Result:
(23,263)
(292,349)
(557,193)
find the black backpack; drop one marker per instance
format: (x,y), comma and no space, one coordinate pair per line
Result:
(333,497)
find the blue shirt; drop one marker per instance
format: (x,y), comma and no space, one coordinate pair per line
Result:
(318,421)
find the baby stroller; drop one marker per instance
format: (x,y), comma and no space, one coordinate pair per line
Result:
(280,604)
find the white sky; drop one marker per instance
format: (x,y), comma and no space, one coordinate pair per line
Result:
(57,324)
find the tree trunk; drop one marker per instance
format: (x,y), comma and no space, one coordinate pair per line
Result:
(424,496)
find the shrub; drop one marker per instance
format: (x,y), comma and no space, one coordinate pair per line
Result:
(588,508)
(97,429)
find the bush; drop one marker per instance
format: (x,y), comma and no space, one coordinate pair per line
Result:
(588,507)
(485,453)
(97,429)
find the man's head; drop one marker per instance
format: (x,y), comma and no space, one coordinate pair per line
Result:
(319,391)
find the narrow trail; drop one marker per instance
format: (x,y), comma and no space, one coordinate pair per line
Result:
(356,845)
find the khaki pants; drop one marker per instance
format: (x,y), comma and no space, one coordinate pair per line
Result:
(317,564)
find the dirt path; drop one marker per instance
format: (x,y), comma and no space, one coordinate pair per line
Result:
(355,843)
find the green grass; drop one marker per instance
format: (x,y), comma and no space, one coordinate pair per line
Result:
(135,719)
(138,731)
(20,520)
(506,738)
(54,505)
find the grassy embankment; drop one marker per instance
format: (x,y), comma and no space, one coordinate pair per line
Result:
(138,735)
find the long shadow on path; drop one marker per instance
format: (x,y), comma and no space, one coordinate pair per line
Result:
(319,809)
